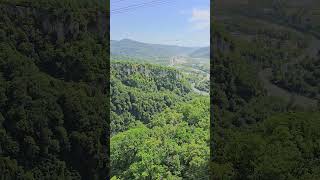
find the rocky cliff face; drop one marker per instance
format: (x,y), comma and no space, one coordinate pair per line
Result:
(146,70)
(162,77)
(64,44)
(221,43)
(61,25)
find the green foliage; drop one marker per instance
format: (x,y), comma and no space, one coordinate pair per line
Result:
(284,146)
(138,91)
(160,129)
(234,78)
(172,146)
(302,78)
(56,4)
(53,118)
(291,13)
(257,136)
(152,52)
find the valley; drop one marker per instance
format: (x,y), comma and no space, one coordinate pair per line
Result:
(266,76)
(265,86)
(192,61)
(159,112)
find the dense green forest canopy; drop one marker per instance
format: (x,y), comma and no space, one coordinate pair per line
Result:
(257,134)
(138,91)
(302,15)
(302,78)
(135,49)
(160,127)
(284,146)
(85,5)
(53,96)
(174,145)
(288,54)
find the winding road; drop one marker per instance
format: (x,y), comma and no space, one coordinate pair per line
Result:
(273,90)
(203,93)
(198,91)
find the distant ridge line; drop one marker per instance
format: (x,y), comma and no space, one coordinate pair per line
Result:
(137,41)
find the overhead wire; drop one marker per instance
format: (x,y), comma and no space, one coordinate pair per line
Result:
(134,6)
(137,6)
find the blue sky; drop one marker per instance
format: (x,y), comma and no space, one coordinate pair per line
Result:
(174,22)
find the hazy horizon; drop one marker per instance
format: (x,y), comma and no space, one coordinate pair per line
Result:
(158,43)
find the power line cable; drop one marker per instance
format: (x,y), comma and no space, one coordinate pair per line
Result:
(139,5)
(136,6)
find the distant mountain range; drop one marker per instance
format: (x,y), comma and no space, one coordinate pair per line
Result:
(131,48)
(201,53)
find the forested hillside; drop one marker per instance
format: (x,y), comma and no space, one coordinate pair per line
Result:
(160,126)
(141,90)
(135,49)
(264,87)
(60,4)
(201,53)
(302,78)
(53,95)
(127,49)
(302,15)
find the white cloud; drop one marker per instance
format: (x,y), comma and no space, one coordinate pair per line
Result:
(200,19)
